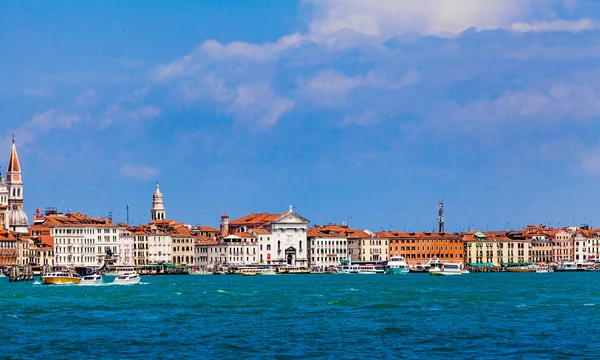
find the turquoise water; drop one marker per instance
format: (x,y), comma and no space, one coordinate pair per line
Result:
(307,316)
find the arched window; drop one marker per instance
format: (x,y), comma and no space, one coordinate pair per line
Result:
(19,192)
(278,245)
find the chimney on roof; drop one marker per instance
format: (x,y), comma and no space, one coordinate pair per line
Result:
(224,225)
(38,213)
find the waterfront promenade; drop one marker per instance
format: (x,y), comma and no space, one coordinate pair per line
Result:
(306,316)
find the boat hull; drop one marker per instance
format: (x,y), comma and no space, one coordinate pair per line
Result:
(444,273)
(569,270)
(92,282)
(397,271)
(127,282)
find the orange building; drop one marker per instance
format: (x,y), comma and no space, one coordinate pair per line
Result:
(418,247)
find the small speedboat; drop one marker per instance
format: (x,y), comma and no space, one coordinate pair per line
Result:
(91,280)
(2,275)
(127,279)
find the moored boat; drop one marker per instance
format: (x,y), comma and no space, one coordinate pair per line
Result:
(370,269)
(200,272)
(297,270)
(446,269)
(521,269)
(568,266)
(61,278)
(543,269)
(397,266)
(347,269)
(127,279)
(95,279)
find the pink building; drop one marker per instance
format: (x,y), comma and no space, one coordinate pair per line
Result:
(562,247)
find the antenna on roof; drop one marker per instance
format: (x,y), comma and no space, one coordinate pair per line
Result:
(441,217)
(127,207)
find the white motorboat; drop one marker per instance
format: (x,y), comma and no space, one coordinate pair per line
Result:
(397,266)
(2,275)
(447,269)
(91,280)
(200,272)
(127,279)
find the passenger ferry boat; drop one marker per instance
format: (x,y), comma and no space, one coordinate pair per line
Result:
(397,266)
(370,269)
(568,266)
(61,278)
(91,280)
(296,270)
(523,268)
(347,269)
(424,268)
(127,279)
(447,269)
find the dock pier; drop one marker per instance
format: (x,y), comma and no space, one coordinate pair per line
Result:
(16,274)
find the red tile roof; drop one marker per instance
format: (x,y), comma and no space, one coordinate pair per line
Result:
(260,230)
(256,219)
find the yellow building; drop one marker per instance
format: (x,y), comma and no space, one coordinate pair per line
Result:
(495,248)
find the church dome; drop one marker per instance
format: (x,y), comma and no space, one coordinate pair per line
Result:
(17,217)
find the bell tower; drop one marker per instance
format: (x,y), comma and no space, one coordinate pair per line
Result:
(17,219)
(14,182)
(158,207)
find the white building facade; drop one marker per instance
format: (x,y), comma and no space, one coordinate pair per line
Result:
(76,245)
(159,248)
(107,243)
(126,248)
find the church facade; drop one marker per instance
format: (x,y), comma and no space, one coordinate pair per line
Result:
(12,216)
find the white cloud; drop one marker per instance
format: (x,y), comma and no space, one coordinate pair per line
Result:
(53,119)
(244,80)
(387,18)
(558,102)
(557,25)
(328,88)
(41,123)
(211,50)
(136,172)
(258,104)
(126,108)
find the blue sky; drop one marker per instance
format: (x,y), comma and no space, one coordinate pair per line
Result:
(367,112)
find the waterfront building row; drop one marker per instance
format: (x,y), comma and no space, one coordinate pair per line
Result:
(284,238)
